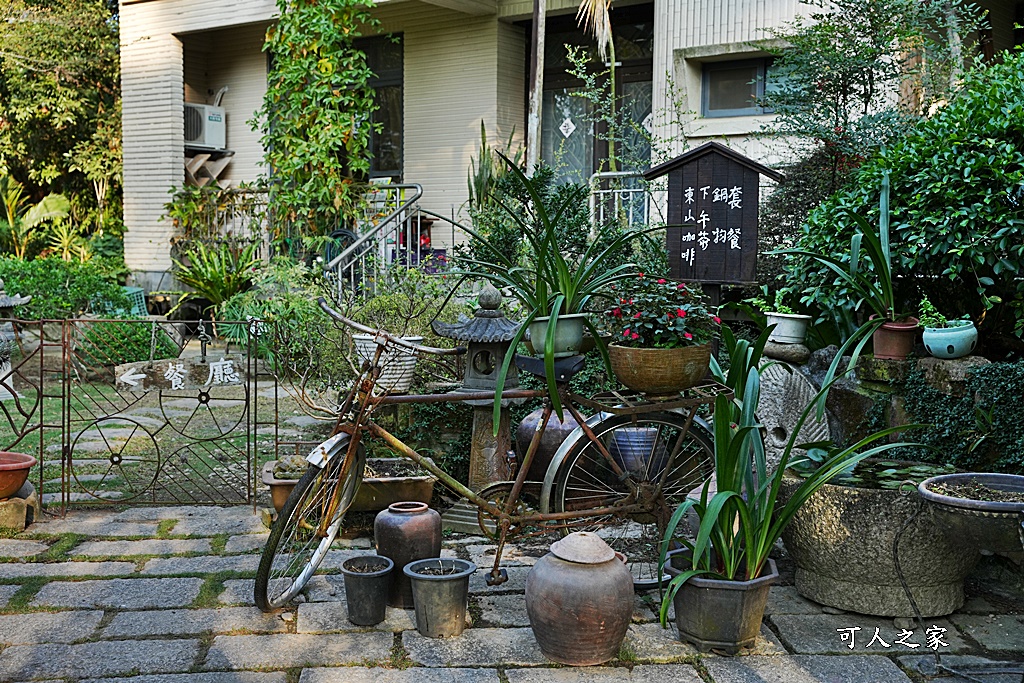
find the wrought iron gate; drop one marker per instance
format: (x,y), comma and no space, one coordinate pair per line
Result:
(138,411)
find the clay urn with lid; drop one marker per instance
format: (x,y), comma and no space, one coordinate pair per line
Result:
(579,598)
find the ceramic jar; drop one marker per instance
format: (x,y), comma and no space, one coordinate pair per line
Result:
(406,532)
(579,598)
(555,432)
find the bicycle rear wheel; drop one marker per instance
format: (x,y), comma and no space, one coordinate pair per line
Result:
(642,446)
(295,547)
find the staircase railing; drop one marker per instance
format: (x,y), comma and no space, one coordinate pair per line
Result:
(622,196)
(394,231)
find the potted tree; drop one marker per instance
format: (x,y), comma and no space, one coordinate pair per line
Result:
(867,272)
(720,580)
(554,287)
(661,332)
(945,338)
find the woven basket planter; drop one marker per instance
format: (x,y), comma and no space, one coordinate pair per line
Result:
(660,371)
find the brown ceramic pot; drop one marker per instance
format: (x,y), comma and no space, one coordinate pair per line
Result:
(660,371)
(406,532)
(579,598)
(554,434)
(895,340)
(14,468)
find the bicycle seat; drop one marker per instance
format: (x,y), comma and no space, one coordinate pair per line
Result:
(565,368)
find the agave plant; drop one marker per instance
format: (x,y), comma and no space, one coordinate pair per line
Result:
(743,519)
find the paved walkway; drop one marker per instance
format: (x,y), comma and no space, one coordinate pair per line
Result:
(163,595)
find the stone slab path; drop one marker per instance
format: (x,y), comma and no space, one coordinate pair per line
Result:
(164,595)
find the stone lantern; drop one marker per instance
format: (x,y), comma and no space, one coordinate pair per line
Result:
(488,336)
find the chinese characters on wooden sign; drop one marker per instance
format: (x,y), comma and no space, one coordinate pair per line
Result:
(713,195)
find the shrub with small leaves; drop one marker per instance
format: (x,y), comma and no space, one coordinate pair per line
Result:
(658,313)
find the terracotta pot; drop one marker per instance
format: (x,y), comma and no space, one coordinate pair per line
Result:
(660,371)
(280,489)
(377,493)
(406,532)
(579,598)
(14,469)
(894,340)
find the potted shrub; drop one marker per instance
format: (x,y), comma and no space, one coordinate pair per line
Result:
(720,580)
(945,338)
(788,326)
(554,286)
(661,332)
(867,272)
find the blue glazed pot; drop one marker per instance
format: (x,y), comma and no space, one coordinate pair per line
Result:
(955,341)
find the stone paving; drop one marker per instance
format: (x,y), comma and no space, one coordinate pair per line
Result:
(127,597)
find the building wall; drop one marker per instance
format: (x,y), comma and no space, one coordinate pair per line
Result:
(152,77)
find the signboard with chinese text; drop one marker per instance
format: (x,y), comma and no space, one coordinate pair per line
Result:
(713,197)
(176,374)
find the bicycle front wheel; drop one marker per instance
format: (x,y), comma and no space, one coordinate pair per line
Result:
(662,462)
(299,540)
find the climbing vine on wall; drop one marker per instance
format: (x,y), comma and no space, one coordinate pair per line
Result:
(316,114)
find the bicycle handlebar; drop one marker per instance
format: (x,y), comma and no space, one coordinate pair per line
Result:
(390,338)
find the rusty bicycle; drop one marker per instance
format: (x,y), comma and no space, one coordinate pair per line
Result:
(621,473)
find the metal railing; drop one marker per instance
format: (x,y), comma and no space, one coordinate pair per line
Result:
(394,231)
(622,196)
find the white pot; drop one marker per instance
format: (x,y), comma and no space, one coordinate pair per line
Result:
(396,364)
(789,327)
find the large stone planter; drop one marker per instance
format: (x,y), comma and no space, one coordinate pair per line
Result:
(842,543)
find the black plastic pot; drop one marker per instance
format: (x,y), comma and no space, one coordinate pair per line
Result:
(440,600)
(367,592)
(720,615)
(994,527)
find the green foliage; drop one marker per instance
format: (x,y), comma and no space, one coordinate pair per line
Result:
(62,289)
(113,343)
(444,432)
(283,295)
(979,431)
(60,94)
(929,316)
(836,69)
(658,313)
(957,206)
(743,519)
(22,222)
(216,273)
(487,170)
(778,304)
(315,116)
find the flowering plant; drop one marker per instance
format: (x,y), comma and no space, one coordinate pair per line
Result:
(659,313)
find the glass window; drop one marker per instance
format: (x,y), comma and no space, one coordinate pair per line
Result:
(385,59)
(734,88)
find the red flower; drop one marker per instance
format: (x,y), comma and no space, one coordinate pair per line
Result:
(635,335)
(637,315)
(617,312)
(669,315)
(625,332)
(687,335)
(718,321)
(680,286)
(662,281)
(681,313)
(640,275)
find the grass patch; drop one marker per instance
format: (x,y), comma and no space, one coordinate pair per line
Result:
(211,589)
(19,601)
(399,658)
(627,654)
(218,543)
(60,551)
(164,528)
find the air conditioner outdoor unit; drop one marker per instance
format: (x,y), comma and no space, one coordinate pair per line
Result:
(205,126)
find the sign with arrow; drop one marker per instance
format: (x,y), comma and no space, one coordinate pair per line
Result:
(181,374)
